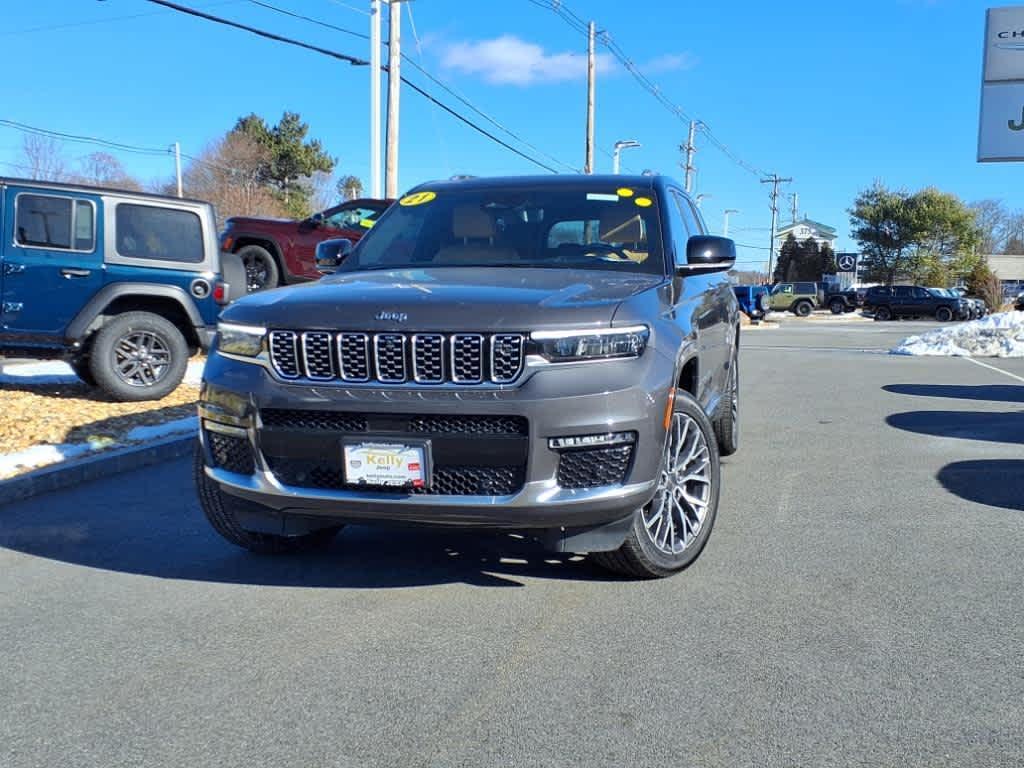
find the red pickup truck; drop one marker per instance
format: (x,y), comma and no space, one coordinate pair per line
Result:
(280,251)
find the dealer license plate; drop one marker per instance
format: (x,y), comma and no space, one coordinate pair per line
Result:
(386,464)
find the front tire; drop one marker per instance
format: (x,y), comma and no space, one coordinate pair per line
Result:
(802,309)
(138,356)
(261,270)
(219,509)
(669,533)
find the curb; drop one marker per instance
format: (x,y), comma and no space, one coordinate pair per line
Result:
(66,474)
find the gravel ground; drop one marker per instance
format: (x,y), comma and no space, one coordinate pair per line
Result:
(55,413)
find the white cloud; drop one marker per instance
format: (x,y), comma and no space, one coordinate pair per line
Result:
(509,60)
(669,62)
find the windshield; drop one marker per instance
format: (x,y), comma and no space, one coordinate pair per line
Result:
(540,226)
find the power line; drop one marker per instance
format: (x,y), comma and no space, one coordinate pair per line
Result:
(426,73)
(83,139)
(354,61)
(576,22)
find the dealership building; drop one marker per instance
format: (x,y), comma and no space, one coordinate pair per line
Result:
(1009,268)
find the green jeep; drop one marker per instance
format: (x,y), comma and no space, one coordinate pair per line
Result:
(798,298)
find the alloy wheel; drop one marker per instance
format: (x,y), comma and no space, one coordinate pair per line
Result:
(256,272)
(675,516)
(141,358)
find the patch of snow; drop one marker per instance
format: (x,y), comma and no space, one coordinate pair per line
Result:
(47,372)
(194,372)
(998,335)
(187,424)
(41,456)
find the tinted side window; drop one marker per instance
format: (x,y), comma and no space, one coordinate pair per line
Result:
(902,291)
(160,234)
(921,293)
(806,288)
(681,229)
(44,221)
(689,214)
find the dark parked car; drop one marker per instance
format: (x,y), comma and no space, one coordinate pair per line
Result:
(1018,303)
(123,285)
(839,302)
(888,302)
(556,355)
(280,251)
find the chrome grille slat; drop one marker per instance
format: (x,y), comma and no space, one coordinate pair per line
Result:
(316,355)
(506,357)
(428,358)
(355,357)
(467,353)
(284,354)
(389,357)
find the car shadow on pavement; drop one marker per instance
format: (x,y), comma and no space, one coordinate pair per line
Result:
(175,542)
(995,482)
(1004,393)
(966,425)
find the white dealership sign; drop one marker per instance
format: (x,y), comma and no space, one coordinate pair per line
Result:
(1001,129)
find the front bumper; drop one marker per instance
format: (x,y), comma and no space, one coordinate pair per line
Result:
(553,401)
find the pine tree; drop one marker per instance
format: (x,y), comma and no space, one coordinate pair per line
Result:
(788,255)
(808,262)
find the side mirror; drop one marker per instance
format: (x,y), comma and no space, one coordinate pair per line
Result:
(707,253)
(316,220)
(330,254)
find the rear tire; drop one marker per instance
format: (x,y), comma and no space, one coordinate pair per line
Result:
(838,306)
(138,356)
(219,509)
(727,426)
(687,496)
(944,314)
(802,309)
(883,314)
(261,272)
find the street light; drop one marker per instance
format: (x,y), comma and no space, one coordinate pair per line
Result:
(725,222)
(700,198)
(619,146)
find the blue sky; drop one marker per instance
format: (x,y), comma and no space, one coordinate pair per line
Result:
(833,94)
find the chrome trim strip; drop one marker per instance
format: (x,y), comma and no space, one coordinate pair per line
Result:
(454,341)
(225,429)
(305,356)
(415,369)
(295,351)
(551,335)
(376,358)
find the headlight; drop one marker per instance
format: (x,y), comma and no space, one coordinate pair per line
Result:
(570,346)
(245,340)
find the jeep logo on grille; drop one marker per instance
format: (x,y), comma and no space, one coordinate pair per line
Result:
(396,317)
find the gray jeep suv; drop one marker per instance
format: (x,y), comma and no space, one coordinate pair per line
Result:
(555,356)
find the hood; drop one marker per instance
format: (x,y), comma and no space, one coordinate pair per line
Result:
(446,299)
(256,221)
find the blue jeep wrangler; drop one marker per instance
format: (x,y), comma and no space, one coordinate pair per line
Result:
(125,286)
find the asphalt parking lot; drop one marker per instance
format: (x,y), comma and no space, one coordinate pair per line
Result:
(859,603)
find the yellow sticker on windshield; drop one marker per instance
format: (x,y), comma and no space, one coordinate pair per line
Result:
(418,198)
(366,223)
(643,202)
(624,192)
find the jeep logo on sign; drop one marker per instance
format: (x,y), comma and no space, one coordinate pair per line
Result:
(396,317)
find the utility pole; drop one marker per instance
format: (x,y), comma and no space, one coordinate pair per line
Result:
(794,201)
(588,165)
(375,98)
(177,167)
(774,180)
(690,148)
(394,91)
(725,220)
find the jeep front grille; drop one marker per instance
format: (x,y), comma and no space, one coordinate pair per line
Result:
(398,358)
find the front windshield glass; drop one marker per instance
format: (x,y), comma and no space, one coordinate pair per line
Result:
(582,227)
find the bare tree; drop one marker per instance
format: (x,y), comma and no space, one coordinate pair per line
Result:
(993,220)
(43,158)
(227,175)
(323,191)
(104,170)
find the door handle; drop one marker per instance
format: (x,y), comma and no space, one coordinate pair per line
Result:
(69,272)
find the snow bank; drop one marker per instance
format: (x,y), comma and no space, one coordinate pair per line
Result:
(56,372)
(43,455)
(999,335)
(138,434)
